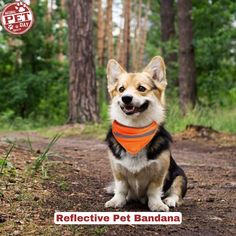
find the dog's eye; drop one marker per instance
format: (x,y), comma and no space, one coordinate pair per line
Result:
(141,89)
(121,89)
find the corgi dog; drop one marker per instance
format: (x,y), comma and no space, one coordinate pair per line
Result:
(139,145)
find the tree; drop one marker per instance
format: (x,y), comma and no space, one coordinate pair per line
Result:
(167,13)
(82,87)
(126,34)
(109,29)
(187,71)
(136,43)
(143,36)
(119,44)
(215,54)
(100,34)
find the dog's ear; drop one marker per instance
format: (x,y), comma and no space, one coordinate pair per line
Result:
(156,68)
(114,70)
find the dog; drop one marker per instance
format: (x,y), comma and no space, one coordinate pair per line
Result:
(139,145)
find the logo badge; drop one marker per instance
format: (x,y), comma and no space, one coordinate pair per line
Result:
(17,18)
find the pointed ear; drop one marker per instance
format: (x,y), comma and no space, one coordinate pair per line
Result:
(114,70)
(157,69)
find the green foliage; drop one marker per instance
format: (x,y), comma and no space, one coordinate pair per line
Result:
(218,118)
(100,230)
(215,54)
(41,159)
(63,185)
(3,161)
(215,51)
(33,81)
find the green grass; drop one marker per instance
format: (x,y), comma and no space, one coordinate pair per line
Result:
(3,161)
(41,159)
(97,130)
(220,119)
(63,185)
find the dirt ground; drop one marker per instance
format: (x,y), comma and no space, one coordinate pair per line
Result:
(78,170)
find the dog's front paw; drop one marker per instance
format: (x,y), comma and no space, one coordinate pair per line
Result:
(116,202)
(170,202)
(158,206)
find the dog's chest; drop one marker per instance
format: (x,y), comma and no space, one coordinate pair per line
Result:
(138,171)
(135,164)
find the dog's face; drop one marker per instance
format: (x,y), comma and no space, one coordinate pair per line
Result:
(137,99)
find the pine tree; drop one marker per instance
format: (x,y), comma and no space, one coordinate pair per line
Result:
(187,70)
(82,87)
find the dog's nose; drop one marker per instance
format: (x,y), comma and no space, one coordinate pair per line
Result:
(127,99)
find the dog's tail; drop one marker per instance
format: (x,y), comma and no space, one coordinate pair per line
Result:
(110,189)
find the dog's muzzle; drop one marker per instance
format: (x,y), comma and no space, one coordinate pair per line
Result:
(130,109)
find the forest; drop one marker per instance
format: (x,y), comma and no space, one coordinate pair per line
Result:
(39,69)
(54,114)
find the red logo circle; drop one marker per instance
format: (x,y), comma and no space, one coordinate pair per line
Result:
(17,18)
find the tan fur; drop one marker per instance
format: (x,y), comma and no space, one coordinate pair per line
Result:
(154,173)
(151,176)
(175,192)
(132,81)
(176,187)
(118,77)
(136,177)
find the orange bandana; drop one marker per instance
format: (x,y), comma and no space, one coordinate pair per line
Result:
(133,139)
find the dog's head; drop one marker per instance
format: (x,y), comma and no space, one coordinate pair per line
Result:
(137,99)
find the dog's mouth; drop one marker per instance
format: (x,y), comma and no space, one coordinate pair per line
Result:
(130,109)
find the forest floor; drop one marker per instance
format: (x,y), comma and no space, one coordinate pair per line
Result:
(78,170)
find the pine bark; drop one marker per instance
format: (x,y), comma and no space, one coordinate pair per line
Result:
(119,45)
(187,70)
(167,28)
(126,35)
(82,87)
(143,37)
(100,34)
(61,56)
(136,41)
(109,29)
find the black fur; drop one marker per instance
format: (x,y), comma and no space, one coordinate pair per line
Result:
(173,172)
(159,143)
(114,146)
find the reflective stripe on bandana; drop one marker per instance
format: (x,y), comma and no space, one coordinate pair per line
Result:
(133,139)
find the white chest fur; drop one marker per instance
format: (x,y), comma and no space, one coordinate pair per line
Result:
(138,170)
(134,164)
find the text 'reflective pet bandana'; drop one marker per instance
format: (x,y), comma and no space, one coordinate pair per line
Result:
(133,139)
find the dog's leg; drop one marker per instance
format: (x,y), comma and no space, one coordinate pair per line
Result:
(174,197)
(154,197)
(121,191)
(110,189)
(121,186)
(155,187)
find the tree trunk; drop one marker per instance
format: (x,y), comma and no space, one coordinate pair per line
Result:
(136,39)
(119,45)
(82,87)
(187,70)
(109,29)
(100,34)
(61,56)
(143,37)
(126,35)
(167,28)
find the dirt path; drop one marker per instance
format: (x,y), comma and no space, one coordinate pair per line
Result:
(79,170)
